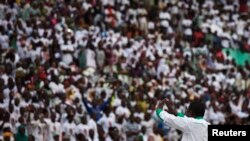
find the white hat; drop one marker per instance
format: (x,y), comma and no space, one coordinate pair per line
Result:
(89,71)
(165,23)
(235,36)
(151,25)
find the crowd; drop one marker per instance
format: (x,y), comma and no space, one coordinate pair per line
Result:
(92,70)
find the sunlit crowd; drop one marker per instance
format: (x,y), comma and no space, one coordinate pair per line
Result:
(93,70)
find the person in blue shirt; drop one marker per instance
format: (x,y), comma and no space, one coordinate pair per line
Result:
(94,108)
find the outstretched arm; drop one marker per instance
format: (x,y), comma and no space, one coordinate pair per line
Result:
(172,120)
(105,104)
(85,102)
(171,109)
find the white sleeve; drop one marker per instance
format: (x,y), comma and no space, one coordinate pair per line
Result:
(65,128)
(180,123)
(78,129)
(240,103)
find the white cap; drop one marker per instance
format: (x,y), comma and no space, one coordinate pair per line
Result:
(151,25)
(165,23)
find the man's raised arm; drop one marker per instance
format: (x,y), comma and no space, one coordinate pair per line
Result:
(180,123)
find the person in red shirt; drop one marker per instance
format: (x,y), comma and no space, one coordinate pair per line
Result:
(243,6)
(198,36)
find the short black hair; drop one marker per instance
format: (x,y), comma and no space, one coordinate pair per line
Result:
(197,108)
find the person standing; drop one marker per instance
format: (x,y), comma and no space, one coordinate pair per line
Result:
(193,126)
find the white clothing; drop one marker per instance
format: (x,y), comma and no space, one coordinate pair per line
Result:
(193,129)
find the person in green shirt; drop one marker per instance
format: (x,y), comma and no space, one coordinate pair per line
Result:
(21,136)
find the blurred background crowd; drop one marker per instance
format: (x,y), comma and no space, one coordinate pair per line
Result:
(92,70)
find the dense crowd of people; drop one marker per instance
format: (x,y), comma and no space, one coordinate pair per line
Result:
(92,70)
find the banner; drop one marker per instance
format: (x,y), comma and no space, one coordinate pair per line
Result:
(239,56)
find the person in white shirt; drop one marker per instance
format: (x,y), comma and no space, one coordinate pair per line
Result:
(83,128)
(69,128)
(36,128)
(90,55)
(193,126)
(93,126)
(107,120)
(54,127)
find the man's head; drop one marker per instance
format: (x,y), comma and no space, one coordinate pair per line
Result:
(196,109)
(84,120)
(21,130)
(31,138)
